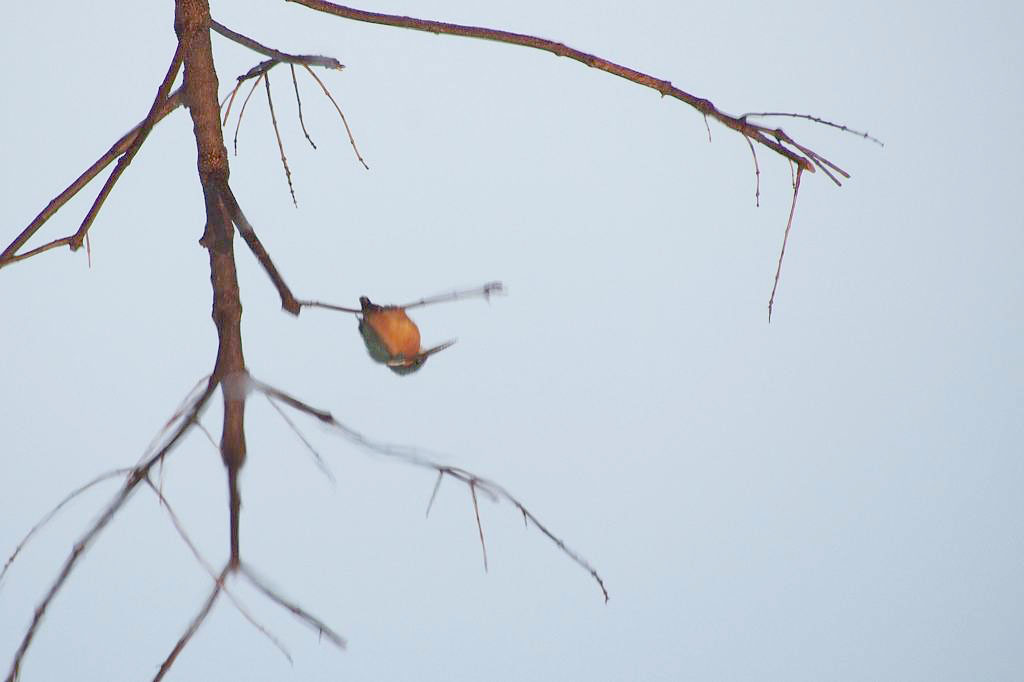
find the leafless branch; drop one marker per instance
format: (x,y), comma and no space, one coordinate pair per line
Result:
(785,239)
(757,174)
(126,158)
(10,254)
(320,463)
(53,512)
(137,475)
(479,526)
(298,103)
(296,610)
(759,134)
(419,458)
(822,121)
(351,139)
(245,228)
(196,622)
(180,528)
(277,134)
(245,102)
(276,55)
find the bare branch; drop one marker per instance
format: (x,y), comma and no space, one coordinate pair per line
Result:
(300,613)
(245,102)
(785,239)
(180,528)
(351,139)
(196,622)
(485,291)
(126,159)
(277,134)
(755,132)
(276,55)
(320,463)
(479,526)
(822,121)
(421,459)
(137,475)
(245,228)
(757,175)
(298,103)
(172,102)
(53,512)
(433,493)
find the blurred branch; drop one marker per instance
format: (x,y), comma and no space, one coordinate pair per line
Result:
(417,458)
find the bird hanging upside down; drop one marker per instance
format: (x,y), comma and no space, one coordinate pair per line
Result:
(392,338)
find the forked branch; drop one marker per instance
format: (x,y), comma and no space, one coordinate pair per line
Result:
(760,134)
(419,458)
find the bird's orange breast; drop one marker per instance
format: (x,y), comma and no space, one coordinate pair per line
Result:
(397,332)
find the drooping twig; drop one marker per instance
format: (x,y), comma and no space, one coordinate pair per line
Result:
(433,493)
(351,139)
(298,103)
(320,463)
(785,239)
(53,512)
(479,526)
(277,134)
(757,174)
(296,610)
(419,458)
(238,123)
(137,475)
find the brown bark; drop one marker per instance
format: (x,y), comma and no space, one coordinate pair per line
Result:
(192,25)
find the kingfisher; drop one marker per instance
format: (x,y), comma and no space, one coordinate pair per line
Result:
(392,338)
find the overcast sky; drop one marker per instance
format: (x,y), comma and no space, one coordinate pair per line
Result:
(834,496)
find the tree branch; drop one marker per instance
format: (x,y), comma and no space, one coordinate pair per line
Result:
(169,104)
(760,134)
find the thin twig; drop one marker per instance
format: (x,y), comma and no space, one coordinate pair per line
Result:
(421,459)
(172,102)
(277,134)
(53,512)
(180,528)
(277,55)
(126,159)
(479,526)
(296,610)
(757,174)
(822,121)
(433,493)
(785,239)
(238,123)
(320,463)
(351,139)
(194,625)
(137,475)
(485,291)
(298,102)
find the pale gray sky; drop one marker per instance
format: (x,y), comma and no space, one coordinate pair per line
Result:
(834,496)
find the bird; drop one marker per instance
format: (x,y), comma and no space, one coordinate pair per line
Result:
(392,338)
